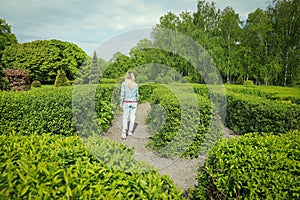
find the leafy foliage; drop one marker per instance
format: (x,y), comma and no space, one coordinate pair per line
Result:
(117,67)
(7,38)
(249,82)
(255,166)
(259,108)
(56,167)
(4,83)
(42,110)
(43,58)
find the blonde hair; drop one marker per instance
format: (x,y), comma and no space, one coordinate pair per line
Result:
(129,78)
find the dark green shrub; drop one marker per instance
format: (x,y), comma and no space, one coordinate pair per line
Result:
(36,83)
(255,166)
(4,83)
(61,79)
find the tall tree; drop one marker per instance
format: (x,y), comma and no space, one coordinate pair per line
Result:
(118,65)
(7,38)
(285,15)
(230,32)
(94,77)
(257,31)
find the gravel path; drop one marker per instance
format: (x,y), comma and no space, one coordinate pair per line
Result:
(182,171)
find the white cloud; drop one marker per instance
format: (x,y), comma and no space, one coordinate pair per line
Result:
(243,7)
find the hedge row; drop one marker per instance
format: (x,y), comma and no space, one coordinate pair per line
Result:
(51,110)
(283,94)
(93,108)
(44,110)
(255,166)
(248,113)
(181,122)
(258,109)
(56,167)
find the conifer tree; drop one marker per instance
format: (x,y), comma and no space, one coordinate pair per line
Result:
(61,79)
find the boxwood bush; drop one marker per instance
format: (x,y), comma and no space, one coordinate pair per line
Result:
(56,167)
(254,166)
(36,83)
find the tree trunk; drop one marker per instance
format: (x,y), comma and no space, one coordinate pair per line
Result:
(286,69)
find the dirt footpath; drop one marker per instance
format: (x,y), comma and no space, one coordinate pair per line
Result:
(182,171)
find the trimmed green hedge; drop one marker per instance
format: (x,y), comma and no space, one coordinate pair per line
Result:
(248,113)
(282,94)
(181,125)
(108,81)
(146,91)
(258,108)
(49,110)
(57,167)
(44,110)
(255,166)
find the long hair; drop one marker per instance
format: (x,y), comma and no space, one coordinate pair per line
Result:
(129,78)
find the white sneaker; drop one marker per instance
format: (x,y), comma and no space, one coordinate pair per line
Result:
(123,136)
(129,132)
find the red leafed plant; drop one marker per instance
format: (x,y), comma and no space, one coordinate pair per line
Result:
(18,79)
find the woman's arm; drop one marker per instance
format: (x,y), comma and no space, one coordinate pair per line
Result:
(122,95)
(137,93)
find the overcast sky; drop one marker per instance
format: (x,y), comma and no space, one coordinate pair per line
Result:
(89,23)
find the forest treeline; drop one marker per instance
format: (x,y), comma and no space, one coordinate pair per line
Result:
(263,48)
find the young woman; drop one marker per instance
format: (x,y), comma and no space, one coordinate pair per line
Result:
(128,101)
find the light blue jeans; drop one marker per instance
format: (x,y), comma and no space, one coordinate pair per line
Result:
(129,110)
